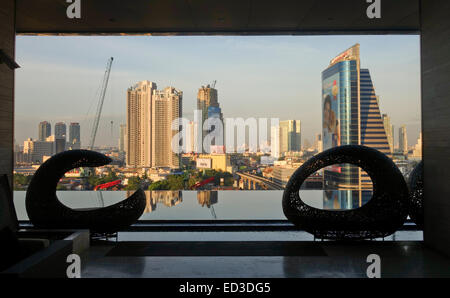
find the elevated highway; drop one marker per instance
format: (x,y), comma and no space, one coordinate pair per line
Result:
(250,181)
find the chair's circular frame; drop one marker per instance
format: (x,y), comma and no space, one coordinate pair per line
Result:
(381,216)
(46,211)
(415,183)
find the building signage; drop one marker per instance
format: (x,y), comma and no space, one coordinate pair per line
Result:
(203,163)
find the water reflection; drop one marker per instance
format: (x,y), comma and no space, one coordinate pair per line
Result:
(204,205)
(207,198)
(332,199)
(168,198)
(345,199)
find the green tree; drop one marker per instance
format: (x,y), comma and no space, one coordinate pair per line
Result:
(133,183)
(159,185)
(21,181)
(60,187)
(175,182)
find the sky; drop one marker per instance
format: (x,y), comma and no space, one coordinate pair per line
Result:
(257,76)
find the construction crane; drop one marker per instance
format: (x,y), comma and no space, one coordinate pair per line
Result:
(213,85)
(100,103)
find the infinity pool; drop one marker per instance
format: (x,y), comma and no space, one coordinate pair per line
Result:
(201,205)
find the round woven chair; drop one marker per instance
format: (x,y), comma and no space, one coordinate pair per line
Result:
(415,184)
(46,211)
(381,216)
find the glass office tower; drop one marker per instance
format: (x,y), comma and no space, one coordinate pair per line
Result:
(45,130)
(341,118)
(373,130)
(351,116)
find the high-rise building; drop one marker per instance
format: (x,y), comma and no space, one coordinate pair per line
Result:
(207,102)
(417,149)
(290,136)
(403,140)
(389,131)
(36,150)
(191,135)
(167,108)
(139,123)
(58,144)
(351,116)
(318,143)
(122,137)
(60,137)
(150,114)
(74,141)
(45,130)
(393,139)
(60,130)
(373,133)
(275,141)
(216,112)
(282,138)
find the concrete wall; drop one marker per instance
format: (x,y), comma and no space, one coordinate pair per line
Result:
(435,56)
(435,32)
(7,43)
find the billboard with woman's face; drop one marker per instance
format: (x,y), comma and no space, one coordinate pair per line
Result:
(330,109)
(331,131)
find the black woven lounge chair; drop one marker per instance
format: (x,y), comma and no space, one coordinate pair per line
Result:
(46,211)
(415,184)
(385,212)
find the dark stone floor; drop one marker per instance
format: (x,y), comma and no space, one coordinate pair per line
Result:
(404,257)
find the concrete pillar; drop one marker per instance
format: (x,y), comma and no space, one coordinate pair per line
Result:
(7,44)
(435,50)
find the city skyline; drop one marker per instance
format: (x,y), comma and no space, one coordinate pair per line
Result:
(266,76)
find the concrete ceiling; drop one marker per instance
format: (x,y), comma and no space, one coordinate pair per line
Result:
(168,17)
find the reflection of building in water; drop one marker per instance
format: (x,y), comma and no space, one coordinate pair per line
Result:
(169,198)
(351,116)
(345,199)
(207,198)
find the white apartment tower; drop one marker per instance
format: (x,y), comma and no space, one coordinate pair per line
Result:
(389,131)
(139,111)
(167,107)
(149,125)
(403,140)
